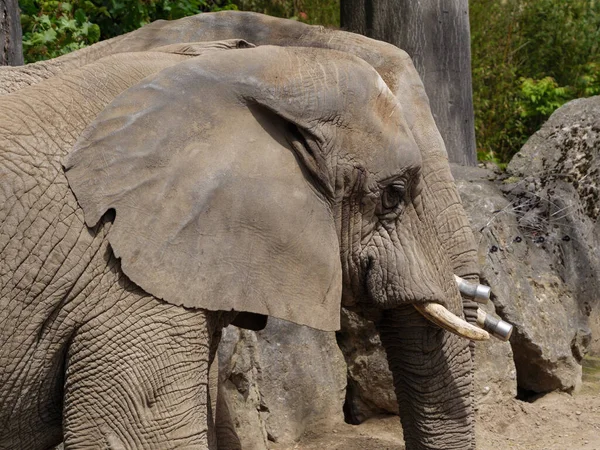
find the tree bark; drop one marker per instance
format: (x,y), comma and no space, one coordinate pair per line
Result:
(11,47)
(436,35)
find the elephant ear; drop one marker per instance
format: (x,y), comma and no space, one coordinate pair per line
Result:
(214,208)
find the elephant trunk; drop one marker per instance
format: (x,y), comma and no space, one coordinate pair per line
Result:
(432,371)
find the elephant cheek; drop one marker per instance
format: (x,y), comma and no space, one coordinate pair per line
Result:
(398,271)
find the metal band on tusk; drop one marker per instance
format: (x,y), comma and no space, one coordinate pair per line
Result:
(497,327)
(478,292)
(436,313)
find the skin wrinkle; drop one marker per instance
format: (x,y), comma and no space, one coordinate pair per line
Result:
(48,133)
(128,324)
(25,376)
(39,241)
(393,245)
(62,304)
(352,212)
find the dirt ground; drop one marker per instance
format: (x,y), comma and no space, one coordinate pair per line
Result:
(556,421)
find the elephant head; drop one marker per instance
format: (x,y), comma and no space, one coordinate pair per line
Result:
(285,182)
(394,66)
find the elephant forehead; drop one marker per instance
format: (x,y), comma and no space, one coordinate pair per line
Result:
(396,157)
(315,86)
(384,142)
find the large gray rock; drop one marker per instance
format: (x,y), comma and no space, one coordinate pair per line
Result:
(539,235)
(370,389)
(556,186)
(524,272)
(280,381)
(240,376)
(495,373)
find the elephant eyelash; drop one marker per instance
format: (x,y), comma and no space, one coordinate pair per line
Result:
(392,198)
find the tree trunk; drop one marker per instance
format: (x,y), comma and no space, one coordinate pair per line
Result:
(436,35)
(11,48)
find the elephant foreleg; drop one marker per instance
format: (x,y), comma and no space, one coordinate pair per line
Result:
(433,381)
(137,378)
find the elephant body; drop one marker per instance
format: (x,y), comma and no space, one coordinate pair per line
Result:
(64,279)
(107,335)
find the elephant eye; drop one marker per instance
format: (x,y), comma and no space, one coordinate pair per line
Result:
(392,196)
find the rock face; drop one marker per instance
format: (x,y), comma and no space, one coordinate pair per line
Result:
(556,183)
(370,389)
(527,290)
(279,381)
(539,236)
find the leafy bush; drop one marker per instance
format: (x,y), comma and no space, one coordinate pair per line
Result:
(52,28)
(538,99)
(529,57)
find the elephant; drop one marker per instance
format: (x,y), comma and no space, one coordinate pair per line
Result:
(212,170)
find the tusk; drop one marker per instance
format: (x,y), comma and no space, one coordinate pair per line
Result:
(499,328)
(478,292)
(436,313)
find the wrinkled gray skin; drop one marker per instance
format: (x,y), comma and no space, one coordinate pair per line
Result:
(291,165)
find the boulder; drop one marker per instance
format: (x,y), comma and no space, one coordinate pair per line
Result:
(280,381)
(370,389)
(555,183)
(524,270)
(240,374)
(495,372)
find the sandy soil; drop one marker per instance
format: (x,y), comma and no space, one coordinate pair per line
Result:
(556,421)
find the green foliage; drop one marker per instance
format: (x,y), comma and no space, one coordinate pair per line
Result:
(540,98)
(558,37)
(52,28)
(588,81)
(128,15)
(529,57)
